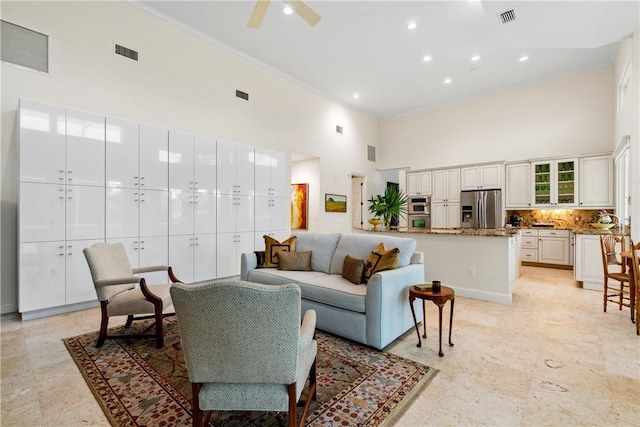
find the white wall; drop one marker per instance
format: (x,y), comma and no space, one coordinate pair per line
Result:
(566,116)
(181,82)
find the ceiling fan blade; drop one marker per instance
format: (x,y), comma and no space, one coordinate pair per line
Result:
(258,14)
(304,11)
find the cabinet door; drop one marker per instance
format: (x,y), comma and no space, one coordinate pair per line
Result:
(205,213)
(588,265)
(154,251)
(79,284)
(245,211)
(439,186)
(596,182)
(42,276)
(471,178)
(226,167)
(85,148)
(42,216)
(566,188)
(438,215)
(262,172)
(518,191)
(42,142)
(453,185)
(205,164)
(245,170)
(226,213)
(543,183)
(85,212)
(491,176)
(413,184)
(154,213)
(204,257)
(279,187)
(263,214)
(279,214)
(425,183)
(181,212)
(121,153)
(122,212)
(181,250)
(226,254)
(553,250)
(154,158)
(453,215)
(181,164)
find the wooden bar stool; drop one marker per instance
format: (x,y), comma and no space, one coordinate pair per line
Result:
(614,269)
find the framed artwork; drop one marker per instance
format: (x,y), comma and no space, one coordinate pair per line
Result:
(299,206)
(335,203)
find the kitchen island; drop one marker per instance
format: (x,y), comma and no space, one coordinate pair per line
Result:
(478,263)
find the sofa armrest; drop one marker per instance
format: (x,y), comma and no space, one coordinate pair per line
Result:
(417,258)
(387,303)
(248,261)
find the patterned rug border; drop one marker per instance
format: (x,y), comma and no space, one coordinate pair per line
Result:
(116,418)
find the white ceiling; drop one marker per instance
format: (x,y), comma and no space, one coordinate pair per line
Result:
(365,47)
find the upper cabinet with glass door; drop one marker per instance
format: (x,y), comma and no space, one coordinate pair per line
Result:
(555,183)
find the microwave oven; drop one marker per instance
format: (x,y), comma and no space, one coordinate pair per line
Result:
(419,205)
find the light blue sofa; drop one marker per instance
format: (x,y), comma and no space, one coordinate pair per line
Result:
(374,314)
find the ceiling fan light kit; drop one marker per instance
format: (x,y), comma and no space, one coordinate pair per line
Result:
(297,6)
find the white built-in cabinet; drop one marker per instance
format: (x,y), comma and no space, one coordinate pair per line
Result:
(481,177)
(596,182)
(235,205)
(270,202)
(445,199)
(554,247)
(555,183)
(588,267)
(419,183)
(171,198)
(518,185)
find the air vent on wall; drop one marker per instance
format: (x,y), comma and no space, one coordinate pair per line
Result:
(24,47)
(508,16)
(339,129)
(242,95)
(126,52)
(371,153)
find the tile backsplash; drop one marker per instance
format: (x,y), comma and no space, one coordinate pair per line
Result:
(560,218)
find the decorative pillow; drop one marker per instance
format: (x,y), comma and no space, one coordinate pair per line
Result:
(272,247)
(381,259)
(294,261)
(353,269)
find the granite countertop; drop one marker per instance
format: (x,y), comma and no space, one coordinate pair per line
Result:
(488,232)
(598,232)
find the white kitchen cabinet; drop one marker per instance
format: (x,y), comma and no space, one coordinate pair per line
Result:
(42,275)
(153,158)
(147,252)
(555,183)
(446,186)
(205,170)
(122,166)
(445,215)
(419,183)
(193,257)
(42,142)
(481,177)
(154,213)
(596,182)
(271,212)
(229,248)
(553,247)
(85,207)
(85,148)
(78,282)
(42,212)
(529,245)
(181,161)
(588,262)
(518,185)
(235,168)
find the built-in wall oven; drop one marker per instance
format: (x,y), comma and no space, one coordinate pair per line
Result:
(419,213)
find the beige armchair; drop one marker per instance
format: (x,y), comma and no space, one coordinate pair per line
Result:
(115,284)
(244,347)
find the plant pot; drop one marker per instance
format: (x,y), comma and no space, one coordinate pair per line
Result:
(375,222)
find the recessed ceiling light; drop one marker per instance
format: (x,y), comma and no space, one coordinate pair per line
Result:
(447,81)
(356,95)
(475,58)
(287,10)
(426,58)
(412,25)
(523,58)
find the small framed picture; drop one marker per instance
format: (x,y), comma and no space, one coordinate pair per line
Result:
(335,203)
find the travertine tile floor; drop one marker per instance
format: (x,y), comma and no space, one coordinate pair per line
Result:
(551,358)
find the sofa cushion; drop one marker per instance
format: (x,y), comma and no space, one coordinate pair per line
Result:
(333,289)
(272,247)
(323,246)
(381,259)
(353,269)
(294,261)
(360,245)
(270,276)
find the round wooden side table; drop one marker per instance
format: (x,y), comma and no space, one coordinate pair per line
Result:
(439,299)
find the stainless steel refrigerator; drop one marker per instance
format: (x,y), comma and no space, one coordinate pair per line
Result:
(481,209)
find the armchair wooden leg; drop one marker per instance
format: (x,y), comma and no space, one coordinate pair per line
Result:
(197,412)
(312,382)
(159,327)
(293,405)
(104,323)
(129,321)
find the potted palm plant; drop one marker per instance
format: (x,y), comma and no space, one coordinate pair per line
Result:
(385,206)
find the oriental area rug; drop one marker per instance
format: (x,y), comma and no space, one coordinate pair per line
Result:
(137,384)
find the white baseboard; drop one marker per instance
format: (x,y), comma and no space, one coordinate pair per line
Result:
(485,296)
(8,308)
(46,312)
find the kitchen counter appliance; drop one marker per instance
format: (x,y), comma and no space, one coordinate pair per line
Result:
(419,213)
(481,209)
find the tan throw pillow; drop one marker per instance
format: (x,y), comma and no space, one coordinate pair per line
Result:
(294,261)
(272,247)
(353,269)
(381,259)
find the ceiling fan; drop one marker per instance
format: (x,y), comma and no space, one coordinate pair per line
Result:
(304,11)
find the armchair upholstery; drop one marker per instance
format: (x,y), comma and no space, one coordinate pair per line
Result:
(244,346)
(115,284)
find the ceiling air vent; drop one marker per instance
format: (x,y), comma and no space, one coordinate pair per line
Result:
(24,47)
(242,95)
(508,16)
(126,52)
(371,153)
